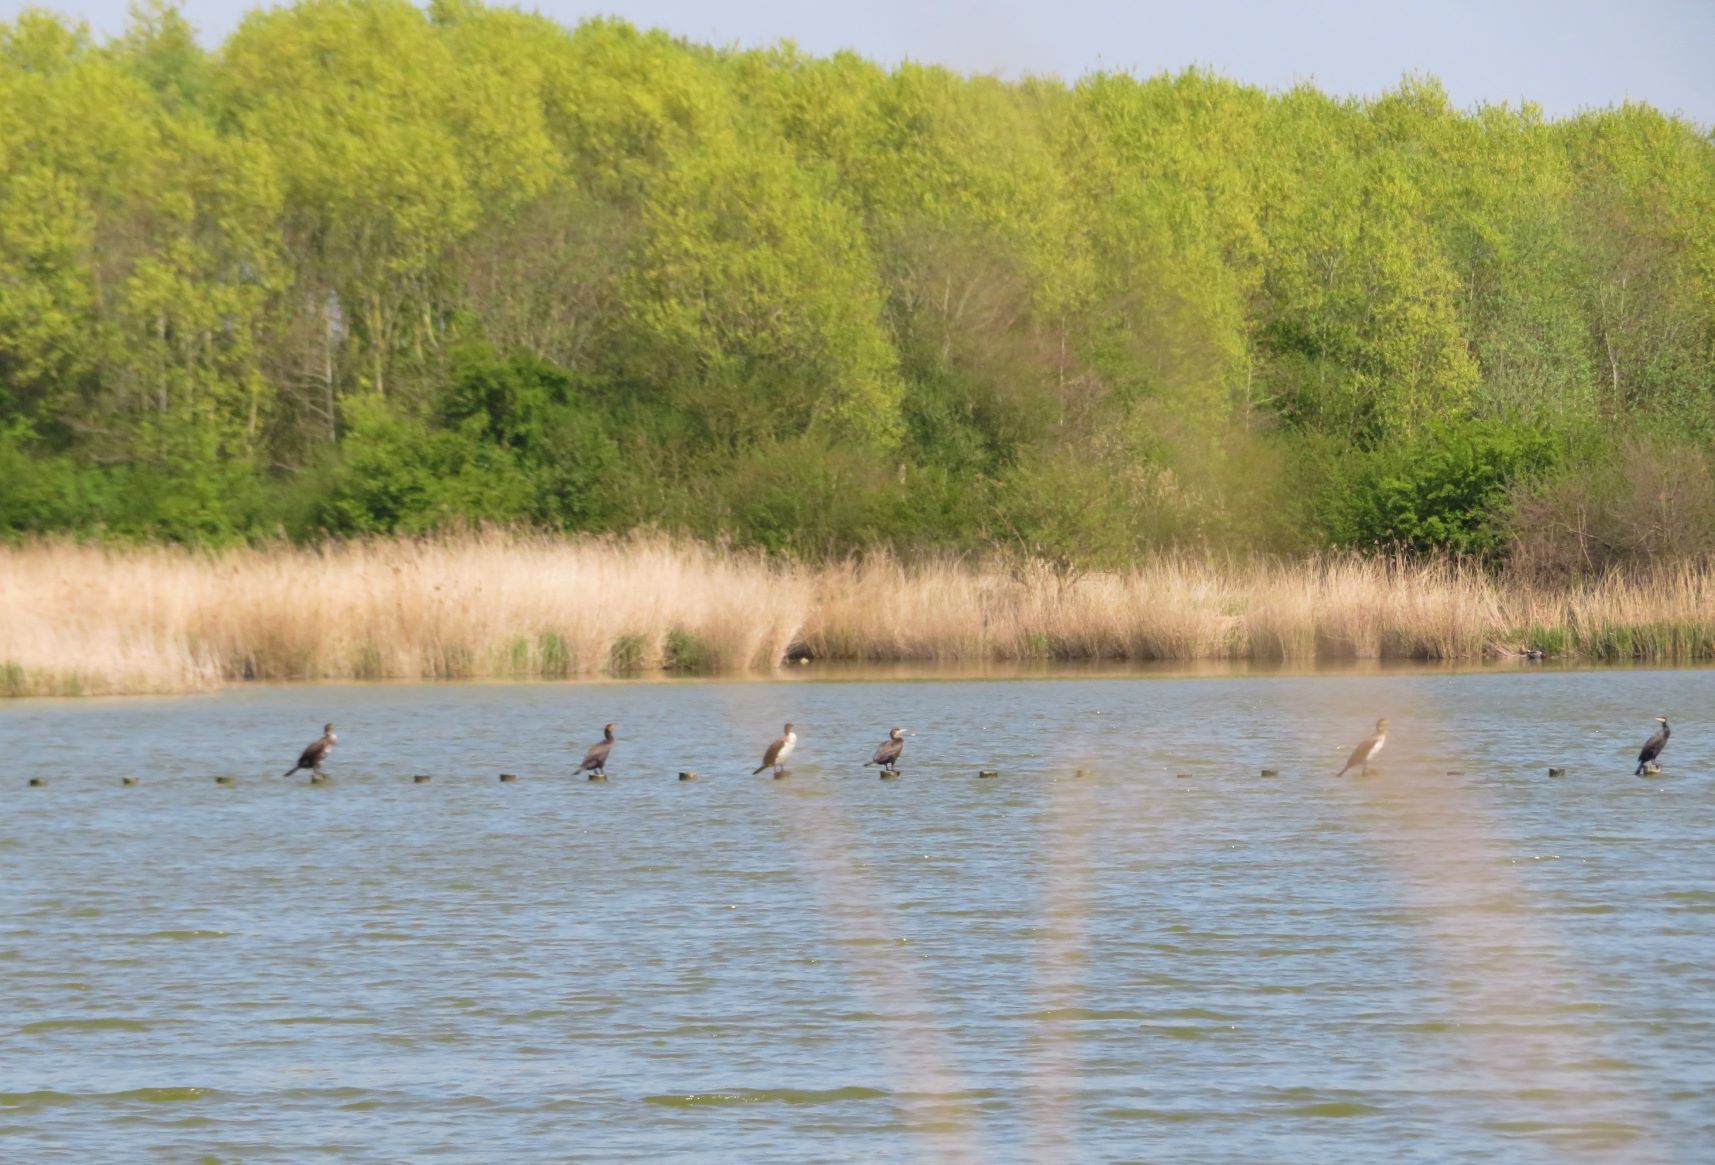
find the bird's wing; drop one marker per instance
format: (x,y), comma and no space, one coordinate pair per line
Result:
(885,753)
(596,755)
(1360,753)
(314,754)
(773,753)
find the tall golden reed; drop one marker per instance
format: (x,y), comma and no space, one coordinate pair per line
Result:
(78,619)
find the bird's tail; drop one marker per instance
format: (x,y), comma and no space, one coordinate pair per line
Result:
(758,768)
(1640,769)
(291,770)
(1344,771)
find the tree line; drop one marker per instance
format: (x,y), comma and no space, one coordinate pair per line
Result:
(366,267)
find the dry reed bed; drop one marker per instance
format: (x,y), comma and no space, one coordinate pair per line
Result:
(85,619)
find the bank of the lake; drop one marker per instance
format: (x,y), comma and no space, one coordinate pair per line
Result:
(89,620)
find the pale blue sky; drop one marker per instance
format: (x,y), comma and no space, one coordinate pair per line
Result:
(1566,55)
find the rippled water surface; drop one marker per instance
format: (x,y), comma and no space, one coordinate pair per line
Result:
(1170,959)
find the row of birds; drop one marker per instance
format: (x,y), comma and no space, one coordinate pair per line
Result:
(595,760)
(887,754)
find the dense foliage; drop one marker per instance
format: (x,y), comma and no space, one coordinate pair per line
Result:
(370,268)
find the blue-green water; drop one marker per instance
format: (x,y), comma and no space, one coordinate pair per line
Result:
(1133,966)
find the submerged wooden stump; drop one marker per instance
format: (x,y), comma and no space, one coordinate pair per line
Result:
(783,774)
(38,782)
(320,779)
(987,774)
(1271,772)
(509,776)
(128,780)
(420,779)
(602,777)
(1557,772)
(226,780)
(1082,773)
(688,775)
(889,775)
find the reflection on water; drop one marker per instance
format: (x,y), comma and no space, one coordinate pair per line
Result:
(1173,958)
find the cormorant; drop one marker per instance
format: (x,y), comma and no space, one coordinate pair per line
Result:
(595,760)
(1653,746)
(778,752)
(1361,755)
(887,752)
(316,753)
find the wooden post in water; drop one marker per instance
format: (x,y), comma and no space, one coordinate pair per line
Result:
(127,781)
(226,780)
(320,779)
(1271,772)
(889,775)
(509,777)
(601,777)
(1557,772)
(987,774)
(38,782)
(688,775)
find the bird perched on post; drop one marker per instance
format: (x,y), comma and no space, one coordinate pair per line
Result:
(778,752)
(595,760)
(1653,746)
(887,752)
(316,753)
(1361,755)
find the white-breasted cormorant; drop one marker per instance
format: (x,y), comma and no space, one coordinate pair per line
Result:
(1360,758)
(778,752)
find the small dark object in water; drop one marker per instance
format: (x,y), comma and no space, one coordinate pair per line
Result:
(782,774)
(688,775)
(1534,653)
(1271,772)
(38,782)
(1183,776)
(986,773)
(1557,772)
(420,779)
(320,779)
(509,776)
(598,777)
(890,774)
(1082,773)
(225,781)
(128,780)
(1455,772)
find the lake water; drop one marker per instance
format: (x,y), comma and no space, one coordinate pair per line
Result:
(1134,966)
